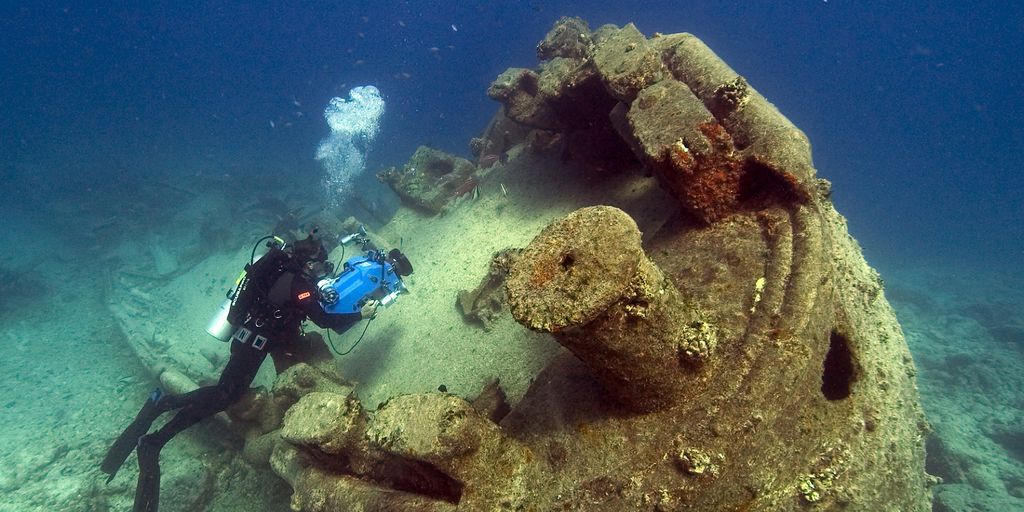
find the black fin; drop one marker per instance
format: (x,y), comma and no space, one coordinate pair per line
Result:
(147,493)
(126,442)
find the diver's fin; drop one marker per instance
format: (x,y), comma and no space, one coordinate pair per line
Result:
(147,493)
(128,439)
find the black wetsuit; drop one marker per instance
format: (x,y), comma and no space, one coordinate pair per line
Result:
(281,298)
(270,306)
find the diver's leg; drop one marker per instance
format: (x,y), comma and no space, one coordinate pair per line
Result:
(126,442)
(241,367)
(147,492)
(234,381)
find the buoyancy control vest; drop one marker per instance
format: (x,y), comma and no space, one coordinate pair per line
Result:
(263,298)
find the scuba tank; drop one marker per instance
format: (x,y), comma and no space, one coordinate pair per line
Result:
(220,325)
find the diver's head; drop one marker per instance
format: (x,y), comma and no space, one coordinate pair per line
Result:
(311,255)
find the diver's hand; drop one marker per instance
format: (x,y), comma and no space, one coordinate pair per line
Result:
(369,310)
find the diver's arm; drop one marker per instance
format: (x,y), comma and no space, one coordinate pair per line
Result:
(336,321)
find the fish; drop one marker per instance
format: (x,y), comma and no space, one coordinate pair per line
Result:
(487,160)
(467,187)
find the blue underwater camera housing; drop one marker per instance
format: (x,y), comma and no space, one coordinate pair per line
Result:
(375,275)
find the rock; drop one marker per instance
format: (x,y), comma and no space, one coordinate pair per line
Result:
(488,468)
(961,497)
(797,317)
(709,137)
(258,449)
(260,413)
(1009,435)
(251,406)
(164,262)
(325,491)
(213,355)
(947,463)
(328,422)
(569,97)
(417,452)
(298,381)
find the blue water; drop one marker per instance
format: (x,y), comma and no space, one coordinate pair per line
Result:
(914,109)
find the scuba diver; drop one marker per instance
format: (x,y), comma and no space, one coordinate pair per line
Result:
(277,293)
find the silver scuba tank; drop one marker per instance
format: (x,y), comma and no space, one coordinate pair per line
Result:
(219,327)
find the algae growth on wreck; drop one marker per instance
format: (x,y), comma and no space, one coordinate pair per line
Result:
(633,290)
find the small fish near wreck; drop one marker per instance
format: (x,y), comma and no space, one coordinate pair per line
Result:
(468,186)
(432,179)
(488,161)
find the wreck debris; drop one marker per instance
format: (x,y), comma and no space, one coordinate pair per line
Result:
(740,420)
(586,280)
(569,37)
(483,304)
(431,179)
(492,402)
(627,63)
(783,380)
(501,134)
(424,452)
(670,103)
